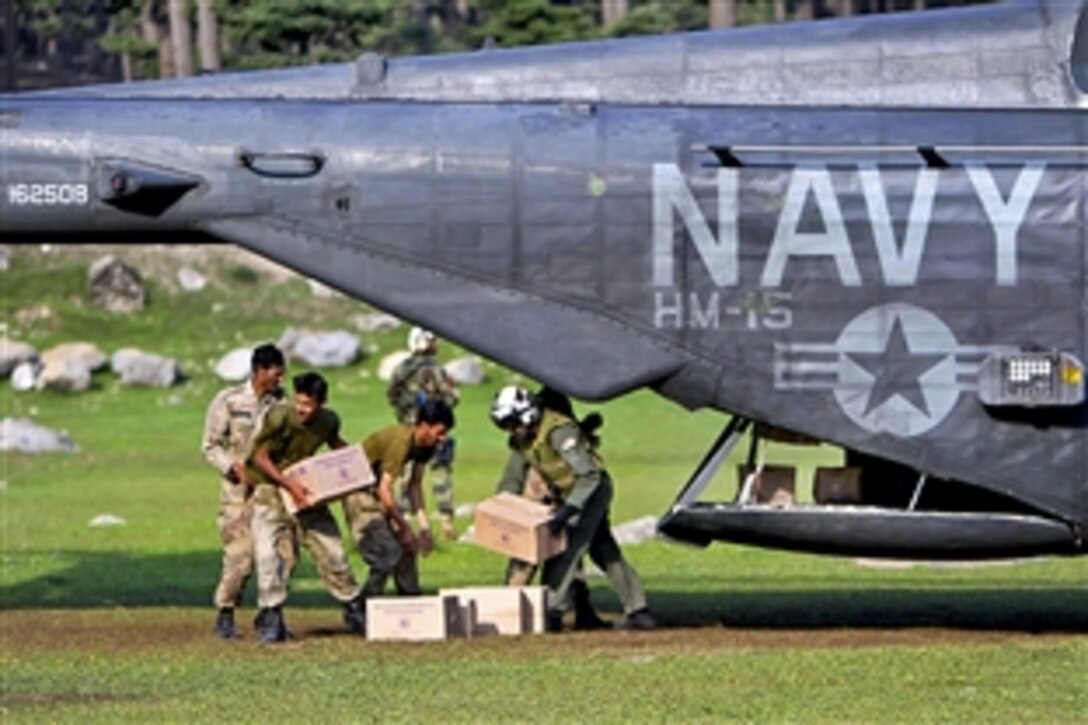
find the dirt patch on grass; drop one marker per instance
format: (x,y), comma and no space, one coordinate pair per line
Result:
(113,632)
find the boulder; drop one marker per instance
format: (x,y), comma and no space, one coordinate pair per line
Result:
(115,286)
(13,354)
(322,349)
(64,376)
(190,280)
(120,360)
(234,366)
(389,364)
(152,371)
(25,376)
(21,435)
(321,291)
(635,532)
(466,371)
(375,322)
(85,353)
(106,520)
(5,259)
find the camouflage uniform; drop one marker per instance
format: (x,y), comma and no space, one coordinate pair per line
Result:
(233,418)
(417,379)
(575,475)
(275,532)
(389,450)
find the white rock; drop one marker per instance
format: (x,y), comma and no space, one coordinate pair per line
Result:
(152,371)
(85,353)
(123,358)
(389,364)
(106,520)
(234,366)
(191,280)
(25,376)
(25,436)
(3,485)
(466,371)
(468,537)
(465,510)
(375,322)
(13,353)
(5,259)
(322,349)
(64,376)
(321,291)
(635,532)
(115,286)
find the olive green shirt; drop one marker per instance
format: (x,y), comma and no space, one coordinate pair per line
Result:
(390,449)
(289,440)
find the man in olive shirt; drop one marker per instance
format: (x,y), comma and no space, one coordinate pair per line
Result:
(378,526)
(234,418)
(289,435)
(560,451)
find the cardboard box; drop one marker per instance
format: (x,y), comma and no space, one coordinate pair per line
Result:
(416,619)
(502,610)
(331,475)
(775,485)
(837,485)
(515,526)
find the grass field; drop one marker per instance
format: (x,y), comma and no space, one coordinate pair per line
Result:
(113,623)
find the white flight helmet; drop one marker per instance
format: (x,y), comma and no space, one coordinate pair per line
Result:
(420,339)
(514,405)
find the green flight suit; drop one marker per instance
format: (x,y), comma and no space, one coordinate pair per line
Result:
(576,476)
(275,532)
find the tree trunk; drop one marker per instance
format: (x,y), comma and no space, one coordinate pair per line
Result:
(779,11)
(846,8)
(181,37)
(613,11)
(207,25)
(155,34)
(723,13)
(919,4)
(805,10)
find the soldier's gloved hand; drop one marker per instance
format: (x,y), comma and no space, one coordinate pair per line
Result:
(559,519)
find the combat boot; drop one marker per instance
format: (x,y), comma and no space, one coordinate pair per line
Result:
(638,619)
(224,624)
(585,616)
(554,623)
(355,616)
(270,625)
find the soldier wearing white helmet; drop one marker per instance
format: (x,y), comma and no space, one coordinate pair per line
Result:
(557,449)
(415,381)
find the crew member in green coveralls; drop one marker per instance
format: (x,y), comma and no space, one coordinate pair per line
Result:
(557,449)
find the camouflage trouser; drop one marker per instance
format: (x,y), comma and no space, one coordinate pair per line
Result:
(592,534)
(379,547)
(276,537)
(234,531)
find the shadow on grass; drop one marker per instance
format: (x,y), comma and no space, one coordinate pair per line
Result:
(184,580)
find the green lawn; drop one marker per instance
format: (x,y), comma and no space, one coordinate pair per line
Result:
(140,460)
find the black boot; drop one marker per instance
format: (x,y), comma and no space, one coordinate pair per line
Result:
(638,619)
(585,616)
(554,623)
(270,625)
(355,615)
(224,624)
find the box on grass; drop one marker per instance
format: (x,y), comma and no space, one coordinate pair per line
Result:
(502,610)
(773,485)
(417,619)
(515,526)
(330,476)
(837,485)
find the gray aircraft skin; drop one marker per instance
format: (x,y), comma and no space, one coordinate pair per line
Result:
(868,231)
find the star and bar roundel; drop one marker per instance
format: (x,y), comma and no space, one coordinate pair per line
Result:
(896,369)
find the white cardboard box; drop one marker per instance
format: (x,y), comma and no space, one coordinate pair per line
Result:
(416,619)
(330,476)
(515,526)
(502,610)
